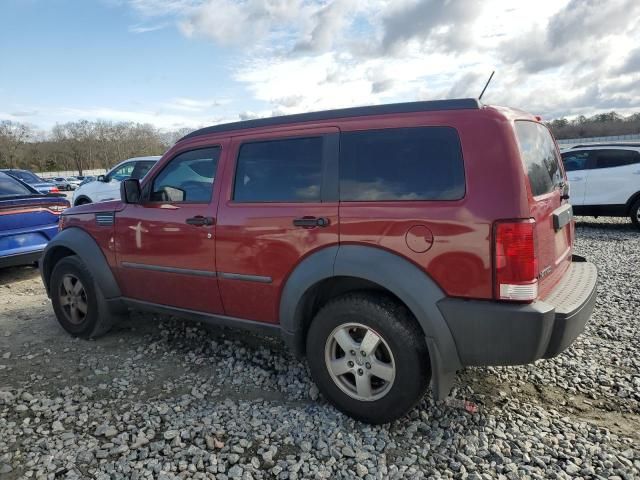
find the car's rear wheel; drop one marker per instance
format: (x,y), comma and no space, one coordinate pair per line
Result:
(82,201)
(368,357)
(635,213)
(77,302)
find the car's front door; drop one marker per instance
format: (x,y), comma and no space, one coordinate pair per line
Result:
(576,165)
(279,204)
(166,244)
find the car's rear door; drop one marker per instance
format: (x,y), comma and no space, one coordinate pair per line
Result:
(615,176)
(279,204)
(166,244)
(552,214)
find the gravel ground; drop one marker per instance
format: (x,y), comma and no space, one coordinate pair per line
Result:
(160,398)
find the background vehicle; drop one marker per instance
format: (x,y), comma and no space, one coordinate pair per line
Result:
(28,220)
(63,184)
(605,179)
(74,181)
(107,187)
(33,180)
(365,237)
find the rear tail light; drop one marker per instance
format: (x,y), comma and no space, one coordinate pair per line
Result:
(54,190)
(516,263)
(56,208)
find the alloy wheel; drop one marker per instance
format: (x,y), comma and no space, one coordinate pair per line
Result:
(73,299)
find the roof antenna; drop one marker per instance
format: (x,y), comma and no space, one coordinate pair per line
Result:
(486,85)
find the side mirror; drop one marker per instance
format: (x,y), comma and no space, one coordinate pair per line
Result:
(102,178)
(130,191)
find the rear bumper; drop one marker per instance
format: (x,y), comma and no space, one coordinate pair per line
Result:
(25,258)
(494,333)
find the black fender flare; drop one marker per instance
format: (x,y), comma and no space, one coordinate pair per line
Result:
(401,277)
(83,245)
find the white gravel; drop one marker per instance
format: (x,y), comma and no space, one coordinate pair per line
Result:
(161,398)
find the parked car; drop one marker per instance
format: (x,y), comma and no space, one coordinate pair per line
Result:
(605,179)
(32,179)
(28,220)
(63,184)
(107,187)
(74,181)
(391,245)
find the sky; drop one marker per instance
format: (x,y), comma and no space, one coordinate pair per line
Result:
(189,63)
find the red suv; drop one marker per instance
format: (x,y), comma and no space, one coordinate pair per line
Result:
(391,245)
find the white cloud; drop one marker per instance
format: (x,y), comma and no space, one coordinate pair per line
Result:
(146,28)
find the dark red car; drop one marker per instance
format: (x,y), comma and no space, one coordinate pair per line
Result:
(390,245)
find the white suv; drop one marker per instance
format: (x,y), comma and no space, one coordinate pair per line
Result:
(604,179)
(107,187)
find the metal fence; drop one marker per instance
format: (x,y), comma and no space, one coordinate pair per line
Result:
(568,142)
(71,173)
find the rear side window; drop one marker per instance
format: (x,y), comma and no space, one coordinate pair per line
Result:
(575,160)
(141,169)
(9,186)
(279,171)
(423,163)
(615,158)
(539,155)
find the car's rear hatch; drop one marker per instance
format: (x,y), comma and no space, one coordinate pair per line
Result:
(551,212)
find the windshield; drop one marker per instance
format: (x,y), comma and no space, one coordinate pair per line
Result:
(10,186)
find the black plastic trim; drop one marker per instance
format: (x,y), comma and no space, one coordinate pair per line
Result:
(83,245)
(210,318)
(162,268)
(616,210)
(245,277)
(408,107)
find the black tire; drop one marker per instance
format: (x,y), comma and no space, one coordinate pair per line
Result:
(82,201)
(634,213)
(396,326)
(98,320)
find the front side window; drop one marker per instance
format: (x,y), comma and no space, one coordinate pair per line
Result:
(122,172)
(287,170)
(188,177)
(539,155)
(422,163)
(615,158)
(575,160)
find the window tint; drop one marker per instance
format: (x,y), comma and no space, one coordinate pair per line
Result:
(141,169)
(188,177)
(26,176)
(615,158)
(401,164)
(539,155)
(122,172)
(575,160)
(279,171)
(9,186)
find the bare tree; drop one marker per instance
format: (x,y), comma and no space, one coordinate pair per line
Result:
(13,135)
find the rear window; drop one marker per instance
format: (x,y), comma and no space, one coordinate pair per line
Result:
(615,158)
(539,155)
(9,186)
(423,163)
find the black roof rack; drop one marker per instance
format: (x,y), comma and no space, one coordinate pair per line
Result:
(618,144)
(408,107)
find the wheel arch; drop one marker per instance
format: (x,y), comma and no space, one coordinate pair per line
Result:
(80,198)
(632,200)
(371,267)
(75,241)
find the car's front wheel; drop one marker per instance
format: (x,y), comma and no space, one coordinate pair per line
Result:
(77,302)
(368,357)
